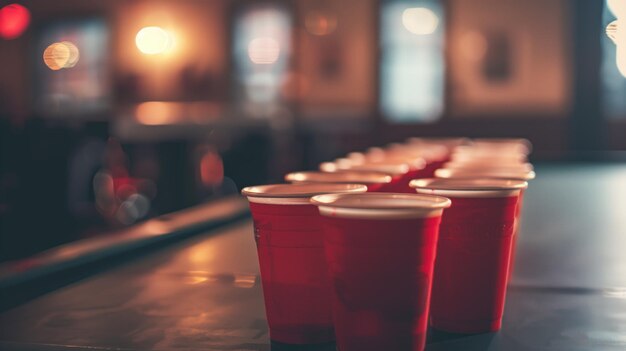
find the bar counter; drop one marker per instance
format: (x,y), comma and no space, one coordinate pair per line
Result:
(568,290)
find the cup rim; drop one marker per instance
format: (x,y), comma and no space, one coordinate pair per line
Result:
(356,156)
(479,164)
(459,155)
(392,157)
(392,168)
(297,193)
(328,167)
(451,173)
(339,177)
(511,141)
(469,187)
(445,141)
(470,184)
(380,205)
(430,153)
(338,164)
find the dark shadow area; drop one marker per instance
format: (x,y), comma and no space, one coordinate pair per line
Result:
(277,346)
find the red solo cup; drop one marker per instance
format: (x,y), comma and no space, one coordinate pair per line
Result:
(339,164)
(380,250)
(523,145)
(478,165)
(493,158)
(473,253)
(375,152)
(434,155)
(373,180)
(495,147)
(288,235)
(357,157)
(417,166)
(449,142)
(498,173)
(397,171)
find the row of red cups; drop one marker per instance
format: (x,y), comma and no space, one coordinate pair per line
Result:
(339,263)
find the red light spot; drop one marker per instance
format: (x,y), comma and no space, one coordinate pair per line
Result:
(211,169)
(14,20)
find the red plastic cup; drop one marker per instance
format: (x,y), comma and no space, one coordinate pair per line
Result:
(417,166)
(375,181)
(397,171)
(380,250)
(519,144)
(433,154)
(473,253)
(489,157)
(449,142)
(497,173)
(477,166)
(288,235)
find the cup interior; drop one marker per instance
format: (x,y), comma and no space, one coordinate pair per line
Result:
(392,168)
(297,194)
(339,177)
(501,173)
(480,165)
(469,187)
(380,205)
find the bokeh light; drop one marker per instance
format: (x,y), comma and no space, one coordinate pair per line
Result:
(211,169)
(295,86)
(320,23)
(617,7)
(264,51)
(154,40)
(620,41)
(157,112)
(74,54)
(61,55)
(14,19)
(617,32)
(420,20)
(611,31)
(473,45)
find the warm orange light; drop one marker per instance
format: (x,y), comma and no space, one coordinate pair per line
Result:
(473,45)
(246,281)
(14,20)
(154,40)
(74,54)
(319,23)
(61,55)
(420,20)
(264,51)
(199,256)
(156,112)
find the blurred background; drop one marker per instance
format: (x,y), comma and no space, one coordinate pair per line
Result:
(115,111)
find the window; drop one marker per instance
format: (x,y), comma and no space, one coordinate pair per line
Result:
(613,82)
(261,50)
(412,71)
